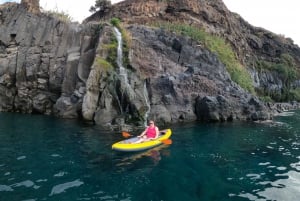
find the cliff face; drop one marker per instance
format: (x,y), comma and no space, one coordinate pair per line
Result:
(51,67)
(42,60)
(259,50)
(213,16)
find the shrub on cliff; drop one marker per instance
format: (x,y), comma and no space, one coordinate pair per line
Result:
(100,5)
(217,45)
(285,67)
(60,15)
(287,71)
(127,40)
(295,94)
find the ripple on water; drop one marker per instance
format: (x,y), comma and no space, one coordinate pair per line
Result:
(60,174)
(56,155)
(286,114)
(296,166)
(6,173)
(263,164)
(283,189)
(60,188)
(254,176)
(286,188)
(101,195)
(281,168)
(21,157)
(5,188)
(26,183)
(41,180)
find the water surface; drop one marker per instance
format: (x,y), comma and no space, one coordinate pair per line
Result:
(44,158)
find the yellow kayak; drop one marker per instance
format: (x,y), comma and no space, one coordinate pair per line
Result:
(129,145)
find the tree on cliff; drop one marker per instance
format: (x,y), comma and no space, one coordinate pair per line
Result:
(100,5)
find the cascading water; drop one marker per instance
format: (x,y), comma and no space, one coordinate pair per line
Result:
(147,103)
(125,86)
(123,71)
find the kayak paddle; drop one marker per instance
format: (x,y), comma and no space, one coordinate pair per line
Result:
(126,134)
(167,141)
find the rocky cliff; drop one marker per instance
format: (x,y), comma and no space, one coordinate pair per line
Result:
(264,54)
(48,66)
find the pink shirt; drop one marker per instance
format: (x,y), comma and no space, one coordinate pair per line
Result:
(151,132)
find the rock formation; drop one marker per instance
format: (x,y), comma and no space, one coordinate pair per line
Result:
(70,70)
(33,6)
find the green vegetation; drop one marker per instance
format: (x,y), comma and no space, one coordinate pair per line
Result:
(115,22)
(266,99)
(286,68)
(127,40)
(96,29)
(100,5)
(109,54)
(294,94)
(216,45)
(111,49)
(225,53)
(60,15)
(103,64)
(287,72)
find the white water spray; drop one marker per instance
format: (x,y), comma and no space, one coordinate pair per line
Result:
(124,75)
(147,103)
(123,71)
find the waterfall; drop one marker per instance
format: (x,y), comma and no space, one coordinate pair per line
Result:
(147,104)
(125,86)
(123,71)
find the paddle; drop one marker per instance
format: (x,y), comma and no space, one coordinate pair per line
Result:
(125,134)
(166,141)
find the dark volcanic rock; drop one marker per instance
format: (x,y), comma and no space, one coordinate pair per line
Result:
(49,66)
(42,59)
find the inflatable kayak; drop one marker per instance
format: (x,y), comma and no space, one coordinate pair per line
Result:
(128,144)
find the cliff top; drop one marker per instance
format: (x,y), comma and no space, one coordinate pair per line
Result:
(249,42)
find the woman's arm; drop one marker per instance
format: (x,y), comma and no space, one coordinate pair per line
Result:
(157,132)
(143,133)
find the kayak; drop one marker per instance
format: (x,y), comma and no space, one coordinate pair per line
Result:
(128,145)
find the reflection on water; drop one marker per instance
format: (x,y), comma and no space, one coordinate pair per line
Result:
(154,154)
(43,158)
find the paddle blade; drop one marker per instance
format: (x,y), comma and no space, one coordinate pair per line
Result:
(167,141)
(125,134)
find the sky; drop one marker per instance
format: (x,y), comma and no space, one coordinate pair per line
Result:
(277,16)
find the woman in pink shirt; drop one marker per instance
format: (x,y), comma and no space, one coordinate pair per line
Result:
(150,133)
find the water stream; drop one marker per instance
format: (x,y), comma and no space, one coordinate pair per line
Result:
(123,71)
(147,103)
(124,76)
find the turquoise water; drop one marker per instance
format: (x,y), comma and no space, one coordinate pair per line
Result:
(43,158)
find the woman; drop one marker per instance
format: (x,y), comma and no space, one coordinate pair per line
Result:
(150,133)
